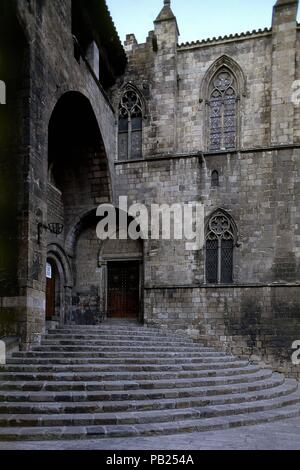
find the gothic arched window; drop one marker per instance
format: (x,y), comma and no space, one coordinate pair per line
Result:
(223,111)
(215,179)
(130,125)
(220,242)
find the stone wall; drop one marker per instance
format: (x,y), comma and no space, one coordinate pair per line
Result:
(257,322)
(255,316)
(253,55)
(86,295)
(256,188)
(50,71)
(259,183)
(258,316)
(176,117)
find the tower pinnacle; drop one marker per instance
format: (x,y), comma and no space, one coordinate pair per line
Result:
(166,14)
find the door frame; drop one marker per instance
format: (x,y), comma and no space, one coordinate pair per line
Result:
(56,256)
(103,268)
(52,290)
(125,261)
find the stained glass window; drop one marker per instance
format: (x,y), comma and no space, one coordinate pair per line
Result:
(219,249)
(130,126)
(222,111)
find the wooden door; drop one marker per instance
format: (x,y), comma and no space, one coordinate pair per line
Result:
(123,289)
(50,293)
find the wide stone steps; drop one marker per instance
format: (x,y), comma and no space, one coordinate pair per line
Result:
(115,353)
(108,376)
(132,385)
(80,350)
(98,345)
(289,387)
(140,394)
(125,380)
(121,348)
(121,333)
(137,338)
(147,429)
(113,328)
(118,359)
(112,367)
(159,416)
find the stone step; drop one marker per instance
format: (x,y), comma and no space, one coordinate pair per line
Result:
(110,330)
(122,348)
(104,376)
(125,359)
(133,384)
(247,417)
(175,366)
(87,344)
(142,394)
(143,417)
(289,387)
(117,336)
(115,352)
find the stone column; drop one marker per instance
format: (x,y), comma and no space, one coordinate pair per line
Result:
(165,79)
(284,31)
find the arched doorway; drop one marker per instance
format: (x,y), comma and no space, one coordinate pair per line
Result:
(52,291)
(59,285)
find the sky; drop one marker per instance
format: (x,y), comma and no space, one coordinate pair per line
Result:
(197,19)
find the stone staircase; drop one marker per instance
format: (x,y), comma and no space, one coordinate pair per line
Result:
(118,380)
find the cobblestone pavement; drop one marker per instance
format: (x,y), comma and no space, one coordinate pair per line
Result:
(282,435)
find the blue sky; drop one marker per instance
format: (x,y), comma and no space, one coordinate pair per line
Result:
(197,19)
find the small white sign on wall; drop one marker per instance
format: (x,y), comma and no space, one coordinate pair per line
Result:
(2,92)
(2,353)
(48,271)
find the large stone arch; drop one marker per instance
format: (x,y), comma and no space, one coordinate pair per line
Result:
(102,108)
(80,171)
(76,227)
(103,253)
(102,120)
